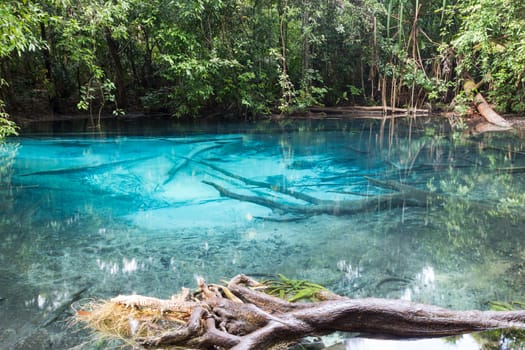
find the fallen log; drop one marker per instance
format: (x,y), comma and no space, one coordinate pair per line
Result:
(367,109)
(239,317)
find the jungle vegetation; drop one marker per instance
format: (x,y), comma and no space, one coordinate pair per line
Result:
(247,58)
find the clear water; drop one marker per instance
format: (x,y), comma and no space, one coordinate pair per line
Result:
(131,209)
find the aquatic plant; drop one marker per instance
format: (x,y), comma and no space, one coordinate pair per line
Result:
(293,289)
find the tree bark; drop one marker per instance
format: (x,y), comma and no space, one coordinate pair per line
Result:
(238,317)
(471,88)
(120,79)
(488,113)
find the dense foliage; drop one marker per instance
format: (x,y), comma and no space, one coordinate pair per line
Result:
(490,45)
(246,57)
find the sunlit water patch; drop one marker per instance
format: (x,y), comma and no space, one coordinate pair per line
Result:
(92,215)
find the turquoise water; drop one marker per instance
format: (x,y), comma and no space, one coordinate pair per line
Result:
(135,208)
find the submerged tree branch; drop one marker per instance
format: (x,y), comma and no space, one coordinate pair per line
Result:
(332,207)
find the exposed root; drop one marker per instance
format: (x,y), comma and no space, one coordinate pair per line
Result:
(239,317)
(132,317)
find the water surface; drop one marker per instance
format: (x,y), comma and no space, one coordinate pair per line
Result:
(135,208)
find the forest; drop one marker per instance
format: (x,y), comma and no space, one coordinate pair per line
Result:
(419,210)
(247,58)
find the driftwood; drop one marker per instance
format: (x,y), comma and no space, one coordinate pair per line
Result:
(239,317)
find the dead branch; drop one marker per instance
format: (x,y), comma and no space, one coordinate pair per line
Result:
(332,207)
(185,160)
(368,110)
(417,196)
(280,189)
(88,167)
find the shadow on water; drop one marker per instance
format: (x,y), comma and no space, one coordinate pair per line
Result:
(144,207)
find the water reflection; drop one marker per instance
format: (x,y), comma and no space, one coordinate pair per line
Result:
(465,342)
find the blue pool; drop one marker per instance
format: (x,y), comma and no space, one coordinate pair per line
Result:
(145,207)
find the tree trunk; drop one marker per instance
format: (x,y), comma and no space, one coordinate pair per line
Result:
(238,317)
(120,80)
(488,113)
(482,105)
(52,93)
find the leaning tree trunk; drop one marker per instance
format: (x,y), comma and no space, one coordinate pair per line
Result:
(238,317)
(488,113)
(483,107)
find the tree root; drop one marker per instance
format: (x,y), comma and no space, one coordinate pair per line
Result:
(245,318)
